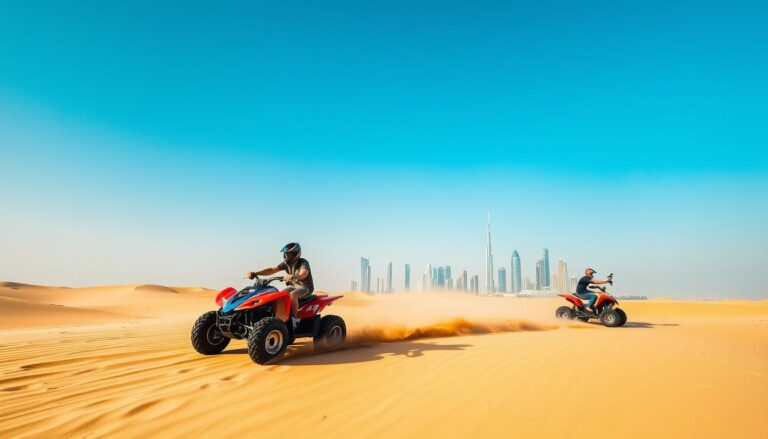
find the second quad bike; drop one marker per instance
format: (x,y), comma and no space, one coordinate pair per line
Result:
(606,308)
(261,314)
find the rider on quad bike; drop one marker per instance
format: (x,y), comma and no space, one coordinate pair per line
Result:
(298,279)
(268,318)
(583,291)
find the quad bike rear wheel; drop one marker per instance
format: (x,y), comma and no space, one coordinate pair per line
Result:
(332,334)
(610,318)
(206,337)
(564,313)
(268,340)
(622,316)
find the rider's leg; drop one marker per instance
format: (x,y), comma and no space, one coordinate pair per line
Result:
(589,297)
(296,294)
(592,300)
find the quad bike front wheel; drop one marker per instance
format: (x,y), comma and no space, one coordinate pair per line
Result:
(206,337)
(268,340)
(610,318)
(622,316)
(564,313)
(332,334)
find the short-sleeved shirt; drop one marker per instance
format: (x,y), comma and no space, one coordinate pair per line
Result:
(295,268)
(584,282)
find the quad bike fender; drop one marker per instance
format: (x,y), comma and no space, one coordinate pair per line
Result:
(573,299)
(282,301)
(315,307)
(604,299)
(223,295)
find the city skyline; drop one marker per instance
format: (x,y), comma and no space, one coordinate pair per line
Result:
(441,277)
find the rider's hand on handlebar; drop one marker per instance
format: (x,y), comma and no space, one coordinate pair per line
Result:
(287,278)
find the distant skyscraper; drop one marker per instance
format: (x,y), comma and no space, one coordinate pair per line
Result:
(516,275)
(354,286)
(365,275)
(448,273)
(407,277)
(539,274)
(502,280)
(545,268)
(572,285)
(562,276)
(527,283)
(488,260)
(389,278)
(431,275)
(464,285)
(474,286)
(440,277)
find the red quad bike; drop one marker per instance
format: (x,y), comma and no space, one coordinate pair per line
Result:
(261,314)
(606,308)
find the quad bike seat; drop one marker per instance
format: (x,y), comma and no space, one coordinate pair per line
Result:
(307,299)
(572,296)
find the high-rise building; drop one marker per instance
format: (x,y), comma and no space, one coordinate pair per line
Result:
(431,275)
(527,283)
(448,274)
(562,275)
(516,275)
(407,277)
(365,275)
(354,286)
(489,261)
(464,285)
(539,274)
(440,277)
(502,280)
(389,278)
(572,285)
(474,285)
(544,257)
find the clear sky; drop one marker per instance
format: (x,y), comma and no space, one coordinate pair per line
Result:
(185,142)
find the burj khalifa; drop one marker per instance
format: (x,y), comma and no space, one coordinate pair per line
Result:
(489,284)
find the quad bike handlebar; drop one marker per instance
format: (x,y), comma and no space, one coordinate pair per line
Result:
(265,281)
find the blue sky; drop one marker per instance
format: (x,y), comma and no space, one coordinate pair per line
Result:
(184,143)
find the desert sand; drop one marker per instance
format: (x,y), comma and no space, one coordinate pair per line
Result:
(117,361)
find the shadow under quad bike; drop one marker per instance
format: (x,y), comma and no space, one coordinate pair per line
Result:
(261,314)
(606,308)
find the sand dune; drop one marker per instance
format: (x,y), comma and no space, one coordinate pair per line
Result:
(19,313)
(117,361)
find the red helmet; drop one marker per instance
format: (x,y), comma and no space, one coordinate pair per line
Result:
(589,272)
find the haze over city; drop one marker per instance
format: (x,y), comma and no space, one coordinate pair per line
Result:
(133,153)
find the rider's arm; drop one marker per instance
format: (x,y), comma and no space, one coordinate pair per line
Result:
(266,271)
(303,273)
(598,282)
